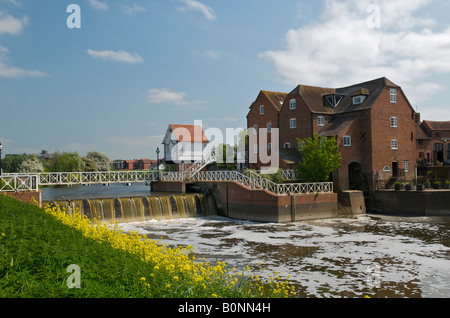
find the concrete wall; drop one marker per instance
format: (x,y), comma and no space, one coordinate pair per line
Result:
(179,187)
(237,202)
(410,203)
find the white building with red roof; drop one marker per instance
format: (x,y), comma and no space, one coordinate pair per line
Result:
(184,143)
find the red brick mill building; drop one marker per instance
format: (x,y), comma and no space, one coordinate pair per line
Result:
(374,124)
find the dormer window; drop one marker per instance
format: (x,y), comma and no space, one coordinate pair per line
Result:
(358,99)
(360,96)
(333,100)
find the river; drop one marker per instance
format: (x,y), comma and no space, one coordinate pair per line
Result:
(372,255)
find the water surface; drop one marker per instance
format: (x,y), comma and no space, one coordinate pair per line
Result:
(372,255)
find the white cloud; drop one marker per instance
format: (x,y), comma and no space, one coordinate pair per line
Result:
(9,71)
(135,8)
(11,25)
(119,56)
(164,95)
(96,4)
(343,49)
(214,54)
(193,5)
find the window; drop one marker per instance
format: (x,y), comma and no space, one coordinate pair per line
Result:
(394,144)
(287,145)
(394,122)
(358,99)
(333,99)
(320,121)
(255,129)
(292,104)
(437,134)
(393,96)
(405,165)
(293,123)
(269,146)
(269,127)
(255,148)
(387,169)
(347,141)
(261,110)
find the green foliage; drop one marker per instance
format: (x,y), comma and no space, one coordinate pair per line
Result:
(320,157)
(11,163)
(66,162)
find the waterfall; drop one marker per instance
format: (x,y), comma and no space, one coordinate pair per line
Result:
(139,209)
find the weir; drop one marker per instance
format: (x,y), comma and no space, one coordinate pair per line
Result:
(140,209)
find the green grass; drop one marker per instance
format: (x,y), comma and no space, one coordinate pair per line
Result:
(36,250)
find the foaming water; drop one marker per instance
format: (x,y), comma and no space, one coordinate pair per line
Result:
(369,256)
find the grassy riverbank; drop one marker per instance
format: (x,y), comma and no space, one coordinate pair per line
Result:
(47,253)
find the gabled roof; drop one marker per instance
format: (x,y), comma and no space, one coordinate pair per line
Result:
(314,96)
(190,133)
(276,98)
(437,125)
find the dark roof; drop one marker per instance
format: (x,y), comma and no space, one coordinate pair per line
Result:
(290,155)
(337,124)
(421,134)
(314,96)
(437,125)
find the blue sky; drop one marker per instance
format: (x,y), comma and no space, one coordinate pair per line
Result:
(134,67)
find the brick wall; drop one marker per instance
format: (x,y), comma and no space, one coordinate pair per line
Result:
(383,133)
(261,120)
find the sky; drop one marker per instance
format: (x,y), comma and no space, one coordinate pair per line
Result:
(113,75)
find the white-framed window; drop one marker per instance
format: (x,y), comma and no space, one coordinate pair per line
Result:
(387,169)
(292,104)
(347,141)
(261,110)
(393,96)
(358,99)
(287,145)
(255,148)
(269,127)
(255,129)
(320,121)
(394,144)
(293,123)
(405,165)
(394,122)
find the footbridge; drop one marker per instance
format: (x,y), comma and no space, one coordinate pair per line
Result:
(251,180)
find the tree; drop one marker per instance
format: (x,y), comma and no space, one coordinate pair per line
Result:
(31,165)
(101,160)
(11,163)
(320,157)
(66,162)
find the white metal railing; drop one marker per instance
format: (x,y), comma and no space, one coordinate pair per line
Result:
(208,157)
(254,181)
(23,182)
(19,182)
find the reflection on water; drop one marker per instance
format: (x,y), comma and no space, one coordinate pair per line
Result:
(372,255)
(95,191)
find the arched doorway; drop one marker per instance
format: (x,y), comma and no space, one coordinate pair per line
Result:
(356,178)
